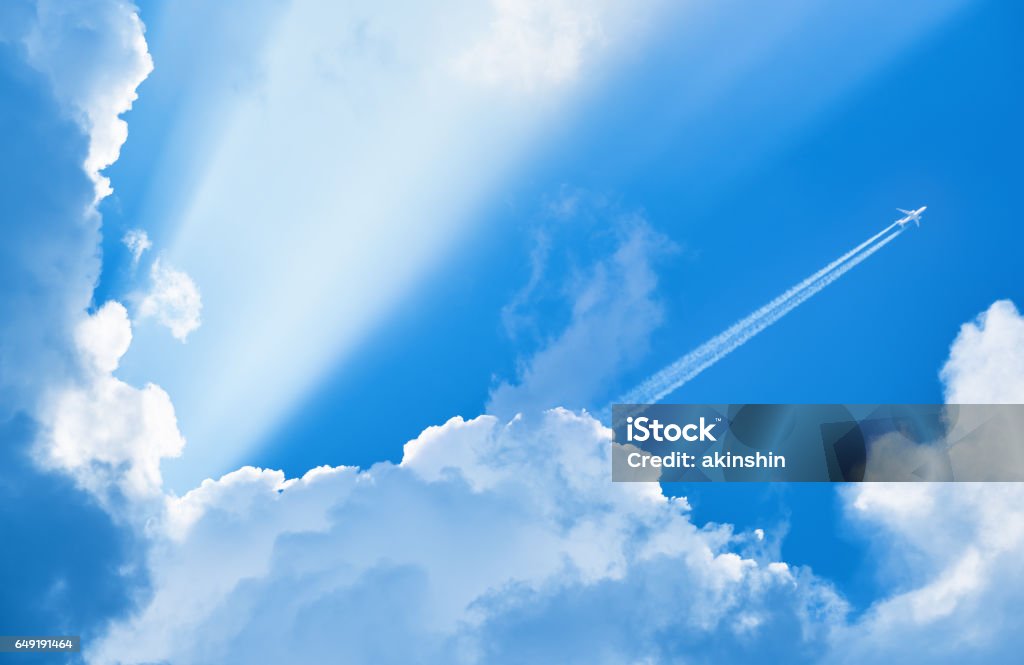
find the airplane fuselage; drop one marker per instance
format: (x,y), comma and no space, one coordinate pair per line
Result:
(911,216)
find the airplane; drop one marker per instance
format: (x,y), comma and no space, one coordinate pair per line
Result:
(911,216)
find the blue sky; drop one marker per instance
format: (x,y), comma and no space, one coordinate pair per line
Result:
(395,216)
(805,152)
(802,154)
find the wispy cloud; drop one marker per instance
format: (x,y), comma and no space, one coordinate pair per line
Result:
(137,241)
(531,44)
(610,297)
(172,299)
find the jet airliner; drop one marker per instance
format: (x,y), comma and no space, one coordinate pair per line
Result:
(911,216)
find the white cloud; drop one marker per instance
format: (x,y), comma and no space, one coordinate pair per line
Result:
(986,361)
(538,45)
(109,436)
(103,338)
(985,367)
(106,434)
(95,54)
(483,520)
(613,312)
(950,551)
(137,241)
(497,541)
(440,554)
(173,300)
(533,44)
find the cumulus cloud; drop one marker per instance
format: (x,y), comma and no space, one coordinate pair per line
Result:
(986,361)
(950,552)
(103,338)
(980,442)
(173,300)
(95,55)
(76,72)
(109,436)
(137,241)
(484,534)
(503,540)
(67,564)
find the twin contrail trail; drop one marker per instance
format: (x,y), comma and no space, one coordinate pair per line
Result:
(710,352)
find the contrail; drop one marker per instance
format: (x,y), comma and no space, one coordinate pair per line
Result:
(710,352)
